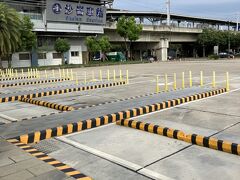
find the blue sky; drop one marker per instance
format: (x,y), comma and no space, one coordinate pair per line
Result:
(222,9)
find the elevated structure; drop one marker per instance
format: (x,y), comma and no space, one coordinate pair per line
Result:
(157,34)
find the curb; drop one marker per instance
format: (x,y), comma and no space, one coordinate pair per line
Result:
(48,104)
(62,91)
(33,82)
(199,140)
(110,118)
(10,79)
(69,171)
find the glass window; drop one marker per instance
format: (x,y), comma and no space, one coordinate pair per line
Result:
(74,53)
(57,55)
(24,56)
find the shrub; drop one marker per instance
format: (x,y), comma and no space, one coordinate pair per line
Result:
(213,56)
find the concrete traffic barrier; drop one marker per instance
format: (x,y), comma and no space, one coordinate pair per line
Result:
(47,104)
(110,118)
(204,141)
(69,171)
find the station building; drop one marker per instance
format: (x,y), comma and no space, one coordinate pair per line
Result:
(74,20)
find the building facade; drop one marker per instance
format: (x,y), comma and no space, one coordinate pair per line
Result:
(73,20)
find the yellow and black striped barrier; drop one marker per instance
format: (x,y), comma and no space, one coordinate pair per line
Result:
(69,171)
(48,104)
(62,91)
(199,140)
(33,82)
(110,118)
(16,78)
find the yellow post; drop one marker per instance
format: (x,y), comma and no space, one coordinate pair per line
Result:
(16,72)
(120,75)
(100,75)
(157,86)
(166,82)
(76,79)
(175,81)
(93,76)
(227,82)
(201,78)
(28,74)
(12,73)
(53,73)
(60,73)
(183,80)
(22,73)
(85,78)
(114,75)
(34,73)
(190,78)
(72,75)
(31,73)
(214,80)
(67,74)
(46,76)
(127,77)
(63,73)
(108,75)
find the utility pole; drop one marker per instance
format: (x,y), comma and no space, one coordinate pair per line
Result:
(168,12)
(237,28)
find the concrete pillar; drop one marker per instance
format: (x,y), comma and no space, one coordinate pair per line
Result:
(162,50)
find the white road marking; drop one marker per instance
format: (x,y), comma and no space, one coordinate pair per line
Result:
(114,159)
(8,118)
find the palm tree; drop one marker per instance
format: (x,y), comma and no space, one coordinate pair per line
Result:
(10,23)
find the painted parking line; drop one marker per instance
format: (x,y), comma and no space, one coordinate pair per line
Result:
(48,104)
(204,141)
(35,137)
(62,91)
(122,162)
(69,171)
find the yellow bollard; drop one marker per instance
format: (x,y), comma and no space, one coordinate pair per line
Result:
(183,80)
(100,75)
(214,80)
(108,75)
(28,73)
(114,75)
(22,73)
(12,73)
(34,73)
(67,74)
(93,76)
(76,79)
(127,77)
(85,78)
(175,81)
(31,73)
(120,75)
(166,82)
(201,78)
(190,79)
(71,74)
(157,86)
(16,72)
(63,73)
(53,73)
(60,73)
(46,76)
(227,82)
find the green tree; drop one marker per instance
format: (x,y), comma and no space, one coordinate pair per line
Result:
(129,30)
(95,45)
(10,24)
(104,45)
(62,46)
(28,37)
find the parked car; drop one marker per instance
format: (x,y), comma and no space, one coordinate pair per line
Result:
(116,56)
(226,55)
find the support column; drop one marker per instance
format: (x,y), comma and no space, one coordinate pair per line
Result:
(162,49)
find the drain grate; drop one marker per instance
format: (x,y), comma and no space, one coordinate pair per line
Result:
(47,146)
